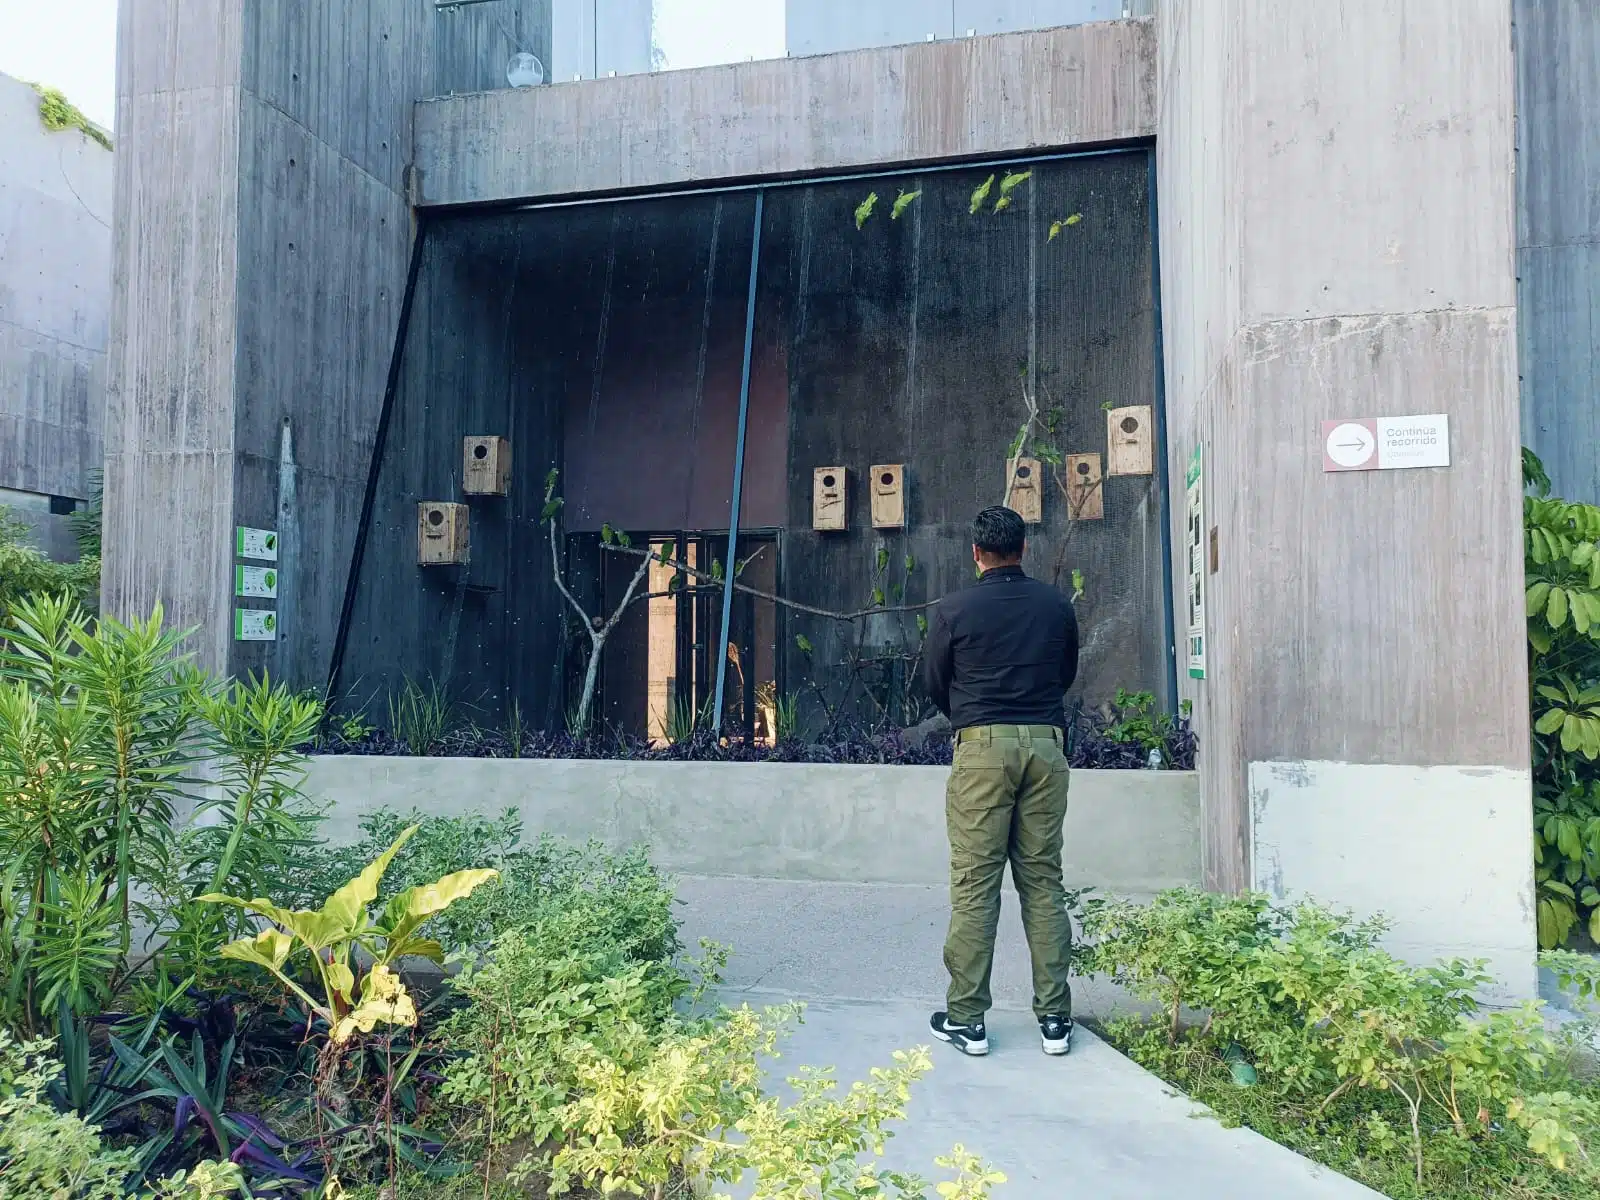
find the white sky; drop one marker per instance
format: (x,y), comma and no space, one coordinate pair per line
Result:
(72,44)
(67,44)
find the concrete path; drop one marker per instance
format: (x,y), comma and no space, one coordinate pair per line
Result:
(1093,1125)
(856,941)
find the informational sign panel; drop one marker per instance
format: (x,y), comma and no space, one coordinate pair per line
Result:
(255,625)
(257,582)
(258,544)
(1386,443)
(1196,540)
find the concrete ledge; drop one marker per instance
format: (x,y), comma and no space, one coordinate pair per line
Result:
(1085,85)
(1446,853)
(1131,832)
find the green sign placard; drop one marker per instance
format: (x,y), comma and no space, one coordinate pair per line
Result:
(259,544)
(260,583)
(1195,538)
(255,625)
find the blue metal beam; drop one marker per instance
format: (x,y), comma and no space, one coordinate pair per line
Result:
(730,565)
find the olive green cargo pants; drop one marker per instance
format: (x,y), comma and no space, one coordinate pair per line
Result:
(1007,800)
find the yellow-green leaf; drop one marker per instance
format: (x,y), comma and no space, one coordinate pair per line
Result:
(1571,733)
(347,906)
(1538,597)
(903,202)
(341,982)
(1556,610)
(1550,722)
(270,948)
(383,998)
(403,914)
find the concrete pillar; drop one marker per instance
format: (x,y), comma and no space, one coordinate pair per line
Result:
(1558,242)
(55,294)
(1337,239)
(262,233)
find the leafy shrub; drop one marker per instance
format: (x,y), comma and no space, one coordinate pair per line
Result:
(102,727)
(1116,739)
(622,895)
(577,1070)
(1325,1013)
(1562,568)
(330,936)
(26,573)
(44,1153)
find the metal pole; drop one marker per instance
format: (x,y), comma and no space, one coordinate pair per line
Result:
(730,567)
(380,443)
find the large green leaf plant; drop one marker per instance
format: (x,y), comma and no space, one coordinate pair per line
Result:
(330,937)
(1562,568)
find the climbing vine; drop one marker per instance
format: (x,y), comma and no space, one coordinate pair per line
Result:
(58,114)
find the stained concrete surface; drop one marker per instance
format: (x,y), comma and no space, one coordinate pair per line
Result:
(866,961)
(862,942)
(1093,1124)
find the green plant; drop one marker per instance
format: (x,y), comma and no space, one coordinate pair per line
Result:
(254,731)
(203,1181)
(1562,570)
(420,717)
(586,1079)
(786,717)
(87,522)
(684,720)
(96,732)
(57,113)
(1138,722)
(622,893)
(45,1153)
(330,936)
(26,572)
(691,1105)
(1324,1013)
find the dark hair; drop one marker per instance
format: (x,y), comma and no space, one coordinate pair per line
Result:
(999,532)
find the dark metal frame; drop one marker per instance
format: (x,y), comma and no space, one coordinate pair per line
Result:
(380,440)
(375,466)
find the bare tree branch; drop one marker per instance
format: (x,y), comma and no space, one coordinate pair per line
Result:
(707,577)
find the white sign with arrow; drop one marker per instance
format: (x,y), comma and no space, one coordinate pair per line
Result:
(1386,443)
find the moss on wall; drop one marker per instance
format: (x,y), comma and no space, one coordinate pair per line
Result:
(58,113)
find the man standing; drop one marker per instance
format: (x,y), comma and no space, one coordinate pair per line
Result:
(1000,657)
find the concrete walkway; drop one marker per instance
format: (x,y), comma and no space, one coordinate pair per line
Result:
(1092,1125)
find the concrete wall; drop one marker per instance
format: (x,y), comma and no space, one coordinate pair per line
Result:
(55,303)
(1089,85)
(827,26)
(1443,851)
(1314,267)
(1130,832)
(262,238)
(1558,242)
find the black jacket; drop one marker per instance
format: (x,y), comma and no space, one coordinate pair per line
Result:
(1003,652)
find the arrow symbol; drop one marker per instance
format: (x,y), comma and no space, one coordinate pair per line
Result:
(1360,445)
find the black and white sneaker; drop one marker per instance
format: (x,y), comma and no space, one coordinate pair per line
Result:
(972,1040)
(1056,1034)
